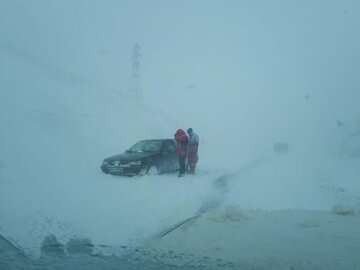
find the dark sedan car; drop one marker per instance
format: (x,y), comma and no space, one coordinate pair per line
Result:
(144,157)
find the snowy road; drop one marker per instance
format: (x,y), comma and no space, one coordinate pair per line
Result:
(220,222)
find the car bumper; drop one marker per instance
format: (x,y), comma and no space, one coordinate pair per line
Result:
(118,170)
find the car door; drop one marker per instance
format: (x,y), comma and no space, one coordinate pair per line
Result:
(169,158)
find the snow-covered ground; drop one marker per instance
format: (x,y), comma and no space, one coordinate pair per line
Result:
(243,86)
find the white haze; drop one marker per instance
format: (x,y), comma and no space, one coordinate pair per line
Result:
(243,74)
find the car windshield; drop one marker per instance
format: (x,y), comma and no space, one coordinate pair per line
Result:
(146,146)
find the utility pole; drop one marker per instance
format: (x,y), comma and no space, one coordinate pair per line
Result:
(136,90)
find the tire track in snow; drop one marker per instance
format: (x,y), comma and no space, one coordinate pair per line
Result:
(221,184)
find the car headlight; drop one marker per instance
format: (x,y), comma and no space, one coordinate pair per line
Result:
(116,163)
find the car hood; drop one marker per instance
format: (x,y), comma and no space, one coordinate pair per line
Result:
(130,156)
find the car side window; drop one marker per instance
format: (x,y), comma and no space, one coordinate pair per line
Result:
(169,146)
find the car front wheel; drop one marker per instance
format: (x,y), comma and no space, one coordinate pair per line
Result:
(149,170)
(153,170)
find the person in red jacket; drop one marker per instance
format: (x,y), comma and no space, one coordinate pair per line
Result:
(182,141)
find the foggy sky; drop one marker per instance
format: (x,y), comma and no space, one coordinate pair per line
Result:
(236,69)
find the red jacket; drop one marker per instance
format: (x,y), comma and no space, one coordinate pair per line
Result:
(181,142)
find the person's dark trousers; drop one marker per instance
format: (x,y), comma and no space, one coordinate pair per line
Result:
(182,165)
